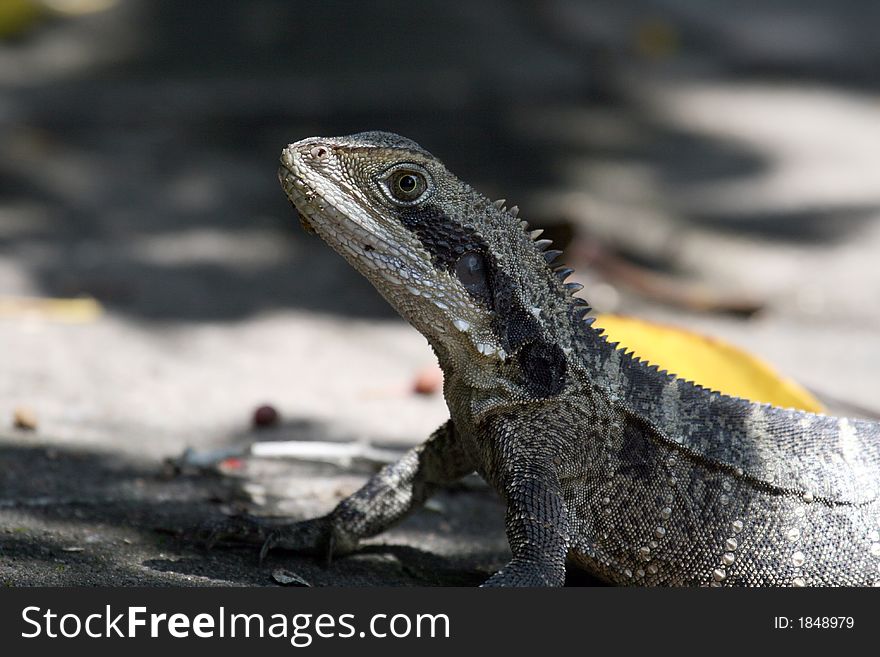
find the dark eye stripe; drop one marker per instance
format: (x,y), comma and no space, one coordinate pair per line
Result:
(461,251)
(444,238)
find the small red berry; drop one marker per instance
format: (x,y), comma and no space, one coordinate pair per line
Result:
(266,416)
(428,381)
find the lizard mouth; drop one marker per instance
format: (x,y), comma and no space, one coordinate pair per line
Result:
(320,217)
(357,238)
(284,174)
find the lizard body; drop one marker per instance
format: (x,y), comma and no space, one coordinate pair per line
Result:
(603,461)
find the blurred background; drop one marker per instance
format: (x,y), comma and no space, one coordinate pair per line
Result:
(711,165)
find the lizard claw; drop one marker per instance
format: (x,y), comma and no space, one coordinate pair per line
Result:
(317,536)
(268,544)
(331,543)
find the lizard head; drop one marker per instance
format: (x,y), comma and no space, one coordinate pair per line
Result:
(457,266)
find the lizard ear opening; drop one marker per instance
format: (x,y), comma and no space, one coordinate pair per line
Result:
(472,271)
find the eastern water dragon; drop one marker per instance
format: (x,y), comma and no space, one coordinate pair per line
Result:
(603,462)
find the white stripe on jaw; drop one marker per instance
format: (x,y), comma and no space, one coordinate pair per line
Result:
(347,208)
(351,227)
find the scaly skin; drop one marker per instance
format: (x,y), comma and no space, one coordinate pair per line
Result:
(633,474)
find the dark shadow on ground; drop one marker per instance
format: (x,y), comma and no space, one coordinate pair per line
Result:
(75,516)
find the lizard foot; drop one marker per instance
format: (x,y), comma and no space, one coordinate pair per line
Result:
(321,537)
(316,536)
(238,530)
(525,572)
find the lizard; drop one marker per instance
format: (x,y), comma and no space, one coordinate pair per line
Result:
(604,462)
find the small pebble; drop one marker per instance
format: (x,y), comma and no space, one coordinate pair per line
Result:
(287,578)
(428,381)
(24,418)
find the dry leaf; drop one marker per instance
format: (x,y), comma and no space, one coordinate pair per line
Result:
(710,362)
(68,311)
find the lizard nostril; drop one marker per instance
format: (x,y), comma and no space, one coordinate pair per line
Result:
(319,152)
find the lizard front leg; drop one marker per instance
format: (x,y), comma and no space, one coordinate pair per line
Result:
(525,471)
(387,497)
(537,528)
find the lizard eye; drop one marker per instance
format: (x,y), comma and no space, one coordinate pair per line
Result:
(406,184)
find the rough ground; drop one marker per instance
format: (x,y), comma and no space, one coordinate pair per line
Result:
(735,147)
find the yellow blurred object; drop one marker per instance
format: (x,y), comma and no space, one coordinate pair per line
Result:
(710,362)
(656,39)
(67,311)
(79,7)
(16,16)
